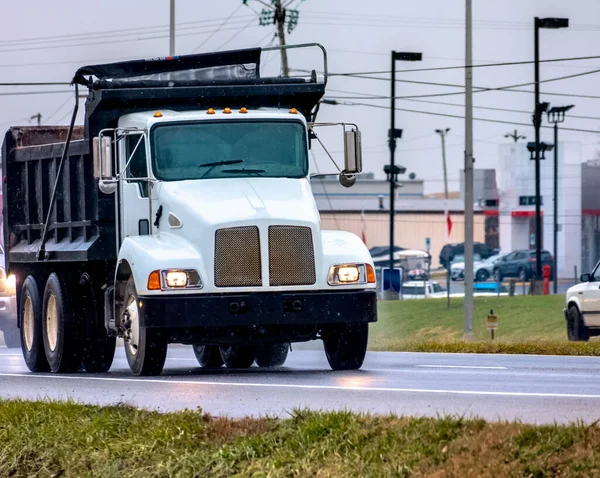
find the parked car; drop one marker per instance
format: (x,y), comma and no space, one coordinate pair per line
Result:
(521,265)
(582,313)
(8,307)
(485,269)
(422,290)
(450,250)
(457,266)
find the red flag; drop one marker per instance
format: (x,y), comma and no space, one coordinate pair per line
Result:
(448,223)
(364,228)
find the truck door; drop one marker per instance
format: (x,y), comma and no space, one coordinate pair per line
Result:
(590,299)
(135,189)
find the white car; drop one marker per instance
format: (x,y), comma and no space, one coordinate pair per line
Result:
(583,307)
(422,290)
(457,266)
(483,270)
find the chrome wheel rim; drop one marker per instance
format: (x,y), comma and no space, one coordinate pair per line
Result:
(134,326)
(52,323)
(28,323)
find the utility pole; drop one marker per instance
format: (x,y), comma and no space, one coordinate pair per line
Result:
(556,115)
(280,14)
(469,305)
(515,136)
(443,133)
(38,117)
(172,29)
(282,17)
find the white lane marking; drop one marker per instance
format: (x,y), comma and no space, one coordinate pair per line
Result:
(462,366)
(11,355)
(306,387)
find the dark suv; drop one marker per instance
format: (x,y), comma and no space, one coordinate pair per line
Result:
(450,250)
(520,264)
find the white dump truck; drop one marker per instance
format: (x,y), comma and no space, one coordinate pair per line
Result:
(182,212)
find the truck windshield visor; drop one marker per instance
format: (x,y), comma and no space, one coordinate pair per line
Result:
(233,149)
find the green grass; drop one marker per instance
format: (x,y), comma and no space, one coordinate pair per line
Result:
(526,324)
(46,439)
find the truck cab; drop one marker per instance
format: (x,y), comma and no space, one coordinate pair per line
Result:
(202,230)
(582,312)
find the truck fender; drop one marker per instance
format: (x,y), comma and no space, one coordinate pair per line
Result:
(342,247)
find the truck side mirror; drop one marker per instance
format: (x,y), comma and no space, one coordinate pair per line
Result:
(352,158)
(103,164)
(585,278)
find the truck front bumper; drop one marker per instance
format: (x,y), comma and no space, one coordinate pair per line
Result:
(258,309)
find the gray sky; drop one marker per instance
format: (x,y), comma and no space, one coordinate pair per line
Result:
(358,36)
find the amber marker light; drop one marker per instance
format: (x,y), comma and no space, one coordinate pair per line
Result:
(294,111)
(154,280)
(243,110)
(370,274)
(227,111)
(158,114)
(210,111)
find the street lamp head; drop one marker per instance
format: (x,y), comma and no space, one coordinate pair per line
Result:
(556,114)
(552,23)
(406,56)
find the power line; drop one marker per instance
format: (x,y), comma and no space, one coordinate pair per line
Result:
(18,93)
(207,39)
(490,108)
(38,83)
(488,120)
(235,34)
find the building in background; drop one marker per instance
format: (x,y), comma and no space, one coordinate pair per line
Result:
(515,177)
(590,214)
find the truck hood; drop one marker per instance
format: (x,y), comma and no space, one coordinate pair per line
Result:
(216,202)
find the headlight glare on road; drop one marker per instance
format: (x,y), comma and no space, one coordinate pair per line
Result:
(11,282)
(347,274)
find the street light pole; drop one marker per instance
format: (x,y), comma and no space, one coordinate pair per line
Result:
(394,134)
(443,133)
(539,109)
(172,29)
(556,115)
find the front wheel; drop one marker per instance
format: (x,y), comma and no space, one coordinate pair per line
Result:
(498,275)
(346,346)
(145,349)
(208,356)
(272,355)
(576,329)
(522,275)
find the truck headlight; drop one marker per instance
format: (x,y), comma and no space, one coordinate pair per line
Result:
(175,279)
(351,274)
(11,283)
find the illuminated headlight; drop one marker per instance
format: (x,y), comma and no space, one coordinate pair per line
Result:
(350,274)
(11,282)
(181,279)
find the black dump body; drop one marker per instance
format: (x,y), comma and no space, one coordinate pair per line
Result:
(80,218)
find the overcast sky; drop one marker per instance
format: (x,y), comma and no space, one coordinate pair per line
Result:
(359,36)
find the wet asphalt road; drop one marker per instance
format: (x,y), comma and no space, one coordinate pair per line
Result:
(536,389)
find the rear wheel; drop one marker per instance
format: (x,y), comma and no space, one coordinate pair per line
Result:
(237,356)
(32,340)
(482,275)
(12,336)
(145,349)
(498,275)
(522,275)
(576,329)
(208,356)
(62,329)
(272,355)
(99,348)
(346,346)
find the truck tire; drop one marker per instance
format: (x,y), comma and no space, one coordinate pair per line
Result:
(346,346)
(208,356)
(145,349)
(272,355)
(576,329)
(62,329)
(99,348)
(32,341)
(237,356)
(12,336)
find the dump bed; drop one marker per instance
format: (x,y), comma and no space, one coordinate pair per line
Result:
(80,225)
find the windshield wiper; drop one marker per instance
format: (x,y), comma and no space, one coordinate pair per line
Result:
(244,170)
(214,164)
(221,163)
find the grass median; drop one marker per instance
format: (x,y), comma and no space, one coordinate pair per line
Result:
(71,440)
(526,324)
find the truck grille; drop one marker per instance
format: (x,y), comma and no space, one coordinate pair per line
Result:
(237,257)
(291,256)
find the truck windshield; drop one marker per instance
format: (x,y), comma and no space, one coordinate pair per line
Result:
(233,149)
